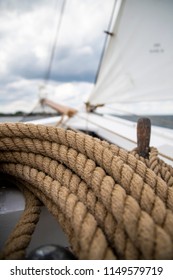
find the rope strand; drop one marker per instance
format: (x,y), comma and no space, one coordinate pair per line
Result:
(111,203)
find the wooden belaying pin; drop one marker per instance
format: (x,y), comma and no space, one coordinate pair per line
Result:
(143,137)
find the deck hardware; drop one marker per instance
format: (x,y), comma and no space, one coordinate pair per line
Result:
(51,252)
(109,33)
(143,137)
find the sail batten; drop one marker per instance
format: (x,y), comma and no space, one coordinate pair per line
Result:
(138,62)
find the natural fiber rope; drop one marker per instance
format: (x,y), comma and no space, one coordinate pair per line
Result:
(20,238)
(110,203)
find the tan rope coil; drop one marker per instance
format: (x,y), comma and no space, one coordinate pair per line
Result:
(20,238)
(110,203)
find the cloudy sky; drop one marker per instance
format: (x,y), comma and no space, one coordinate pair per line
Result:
(27,32)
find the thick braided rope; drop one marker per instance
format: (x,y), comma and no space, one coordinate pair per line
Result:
(19,240)
(114,198)
(45,165)
(83,223)
(160,168)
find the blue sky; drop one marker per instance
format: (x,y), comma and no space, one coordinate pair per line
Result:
(27,32)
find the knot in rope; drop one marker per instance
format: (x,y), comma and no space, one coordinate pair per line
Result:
(110,203)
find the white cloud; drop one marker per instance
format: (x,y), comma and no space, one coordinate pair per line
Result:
(29,35)
(26,94)
(27,32)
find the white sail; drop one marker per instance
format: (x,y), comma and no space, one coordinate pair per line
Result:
(137,67)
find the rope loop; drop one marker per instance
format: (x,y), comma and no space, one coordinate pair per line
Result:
(110,203)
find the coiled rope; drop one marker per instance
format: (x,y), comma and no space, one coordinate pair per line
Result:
(111,203)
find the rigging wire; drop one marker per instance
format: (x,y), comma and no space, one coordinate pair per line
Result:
(47,75)
(116,109)
(52,55)
(54,46)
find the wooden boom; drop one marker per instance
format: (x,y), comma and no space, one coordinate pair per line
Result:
(61,109)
